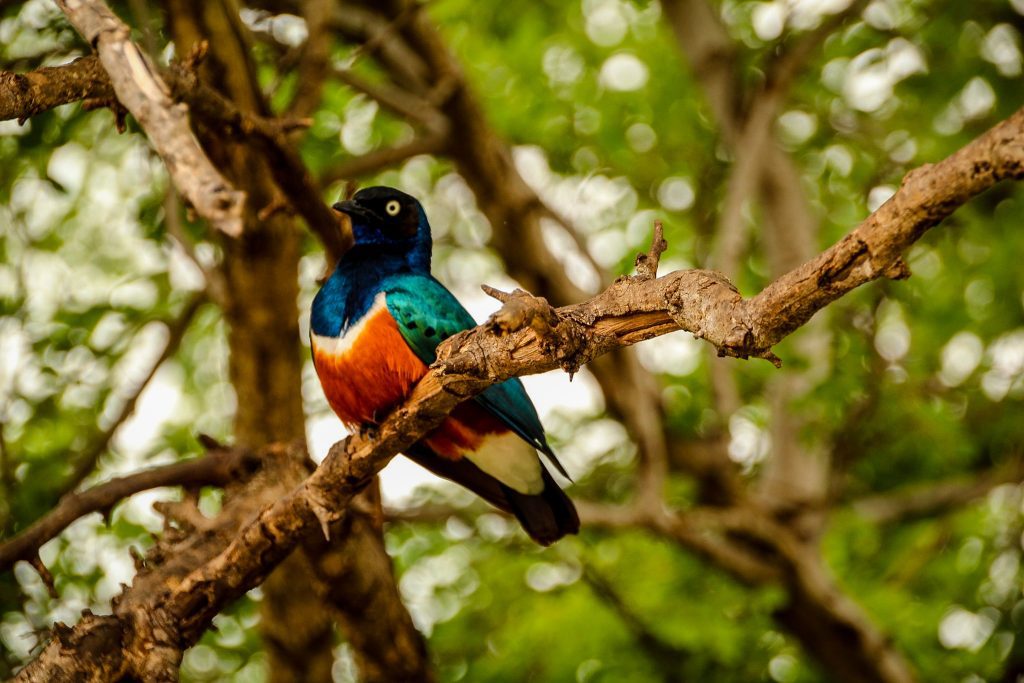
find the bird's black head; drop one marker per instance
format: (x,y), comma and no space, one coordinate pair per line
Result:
(385,217)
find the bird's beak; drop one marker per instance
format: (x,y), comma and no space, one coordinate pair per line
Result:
(352,209)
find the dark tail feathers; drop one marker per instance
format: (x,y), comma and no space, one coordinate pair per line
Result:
(546,516)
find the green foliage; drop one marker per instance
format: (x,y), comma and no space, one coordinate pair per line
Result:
(924,381)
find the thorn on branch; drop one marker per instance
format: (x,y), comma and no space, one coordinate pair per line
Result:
(209,443)
(740,344)
(559,336)
(740,352)
(522,309)
(325,516)
(115,106)
(277,204)
(647,264)
(45,575)
(61,631)
(897,270)
(196,55)
(138,559)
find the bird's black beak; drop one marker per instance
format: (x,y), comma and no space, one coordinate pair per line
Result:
(346,206)
(351,208)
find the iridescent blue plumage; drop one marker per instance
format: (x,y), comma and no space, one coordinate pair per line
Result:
(376,325)
(428,313)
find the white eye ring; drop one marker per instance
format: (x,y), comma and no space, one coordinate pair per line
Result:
(393,207)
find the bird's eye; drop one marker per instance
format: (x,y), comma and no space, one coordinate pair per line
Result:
(393,207)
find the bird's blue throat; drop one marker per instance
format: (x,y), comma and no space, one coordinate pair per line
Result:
(349,293)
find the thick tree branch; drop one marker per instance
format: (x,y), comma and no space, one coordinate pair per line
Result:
(87,652)
(927,195)
(85,462)
(144,94)
(631,310)
(214,469)
(25,95)
(667,657)
(358,581)
(931,499)
(374,161)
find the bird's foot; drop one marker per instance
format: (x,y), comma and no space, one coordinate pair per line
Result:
(368,431)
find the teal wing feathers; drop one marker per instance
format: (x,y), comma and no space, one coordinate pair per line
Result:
(427,313)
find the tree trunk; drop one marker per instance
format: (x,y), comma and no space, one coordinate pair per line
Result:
(260,272)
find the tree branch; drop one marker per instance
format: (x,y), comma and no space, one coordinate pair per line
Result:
(315,59)
(367,27)
(935,498)
(374,161)
(85,462)
(85,78)
(289,172)
(927,195)
(25,95)
(144,94)
(631,310)
(357,579)
(217,468)
(399,101)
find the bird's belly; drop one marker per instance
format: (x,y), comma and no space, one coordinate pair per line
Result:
(473,433)
(369,371)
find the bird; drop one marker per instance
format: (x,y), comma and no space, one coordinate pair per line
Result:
(375,325)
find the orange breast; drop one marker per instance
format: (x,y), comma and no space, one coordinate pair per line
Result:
(372,375)
(377,371)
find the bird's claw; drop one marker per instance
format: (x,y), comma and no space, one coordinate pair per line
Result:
(368,431)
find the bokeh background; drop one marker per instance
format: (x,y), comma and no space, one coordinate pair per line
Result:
(912,386)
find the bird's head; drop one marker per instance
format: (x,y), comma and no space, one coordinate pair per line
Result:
(387,219)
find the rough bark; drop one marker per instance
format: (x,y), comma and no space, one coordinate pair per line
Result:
(129,643)
(357,579)
(260,272)
(142,92)
(515,210)
(25,95)
(173,601)
(631,310)
(217,469)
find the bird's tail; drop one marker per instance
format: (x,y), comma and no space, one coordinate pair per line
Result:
(546,516)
